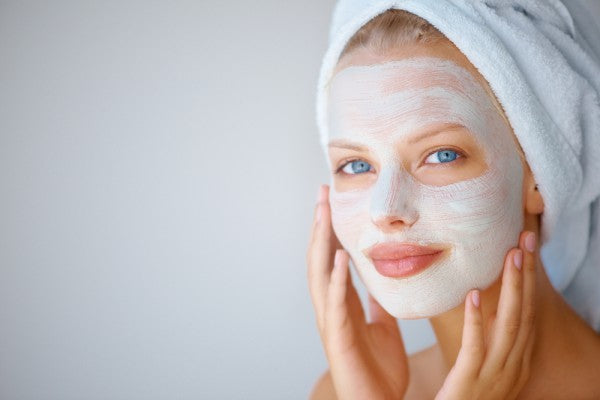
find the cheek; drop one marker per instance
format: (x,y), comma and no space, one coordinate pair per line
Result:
(468,210)
(349,215)
(474,207)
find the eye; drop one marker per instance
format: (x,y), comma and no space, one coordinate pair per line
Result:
(442,156)
(354,167)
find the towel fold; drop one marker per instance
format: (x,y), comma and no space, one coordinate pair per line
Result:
(544,67)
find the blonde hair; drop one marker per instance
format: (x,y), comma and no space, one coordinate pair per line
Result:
(392,29)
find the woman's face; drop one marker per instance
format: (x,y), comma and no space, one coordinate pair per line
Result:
(421,156)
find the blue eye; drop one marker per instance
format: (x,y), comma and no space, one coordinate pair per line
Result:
(442,156)
(356,167)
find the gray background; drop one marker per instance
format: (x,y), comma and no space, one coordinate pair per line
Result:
(158,169)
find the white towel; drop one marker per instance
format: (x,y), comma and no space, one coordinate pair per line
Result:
(545,70)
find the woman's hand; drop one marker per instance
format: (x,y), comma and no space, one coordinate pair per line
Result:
(496,365)
(366,360)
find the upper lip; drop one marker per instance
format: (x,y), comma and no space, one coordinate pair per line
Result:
(398,251)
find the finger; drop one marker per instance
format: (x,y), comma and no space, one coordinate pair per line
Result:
(508,318)
(350,369)
(338,329)
(528,307)
(322,206)
(355,307)
(317,278)
(319,257)
(489,327)
(471,355)
(529,347)
(317,214)
(379,315)
(472,349)
(524,369)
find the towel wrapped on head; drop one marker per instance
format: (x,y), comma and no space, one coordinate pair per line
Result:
(544,68)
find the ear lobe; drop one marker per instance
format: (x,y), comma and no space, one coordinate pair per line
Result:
(534,204)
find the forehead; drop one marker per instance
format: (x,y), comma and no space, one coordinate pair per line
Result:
(403,95)
(442,50)
(385,79)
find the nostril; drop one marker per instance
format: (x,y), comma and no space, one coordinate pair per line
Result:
(388,222)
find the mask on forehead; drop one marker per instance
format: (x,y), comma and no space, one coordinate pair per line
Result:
(476,220)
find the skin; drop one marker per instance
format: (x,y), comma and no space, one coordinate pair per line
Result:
(522,341)
(402,113)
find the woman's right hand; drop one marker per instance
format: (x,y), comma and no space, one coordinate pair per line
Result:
(367,360)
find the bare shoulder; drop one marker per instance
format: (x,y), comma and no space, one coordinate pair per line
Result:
(427,374)
(323,389)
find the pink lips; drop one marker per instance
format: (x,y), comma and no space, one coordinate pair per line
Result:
(400,260)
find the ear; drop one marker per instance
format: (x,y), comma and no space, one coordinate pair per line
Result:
(534,204)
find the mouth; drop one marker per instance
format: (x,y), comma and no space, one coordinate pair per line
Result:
(401,260)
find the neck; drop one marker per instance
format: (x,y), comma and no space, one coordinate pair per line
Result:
(561,336)
(448,326)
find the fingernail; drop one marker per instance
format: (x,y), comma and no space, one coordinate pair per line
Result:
(518,259)
(337,258)
(530,242)
(475,298)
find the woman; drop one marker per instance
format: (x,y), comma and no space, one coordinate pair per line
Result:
(439,198)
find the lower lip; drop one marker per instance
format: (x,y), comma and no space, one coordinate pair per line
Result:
(404,267)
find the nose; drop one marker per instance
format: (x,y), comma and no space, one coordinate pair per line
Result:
(393,199)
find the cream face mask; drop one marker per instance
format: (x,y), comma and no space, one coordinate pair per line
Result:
(471,222)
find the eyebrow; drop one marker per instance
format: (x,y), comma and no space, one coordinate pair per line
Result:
(435,131)
(347,144)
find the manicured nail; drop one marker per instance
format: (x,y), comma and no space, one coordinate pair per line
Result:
(475,298)
(338,257)
(518,259)
(530,242)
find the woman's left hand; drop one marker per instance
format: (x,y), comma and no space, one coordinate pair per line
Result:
(495,365)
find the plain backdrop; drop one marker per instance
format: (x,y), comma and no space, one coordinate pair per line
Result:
(159,163)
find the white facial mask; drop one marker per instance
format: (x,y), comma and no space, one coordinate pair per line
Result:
(478,219)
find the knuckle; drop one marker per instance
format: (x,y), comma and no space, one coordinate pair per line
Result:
(511,328)
(529,316)
(475,348)
(342,348)
(477,325)
(494,380)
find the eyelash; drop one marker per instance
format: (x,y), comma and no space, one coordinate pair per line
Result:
(346,162)
(460,154)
